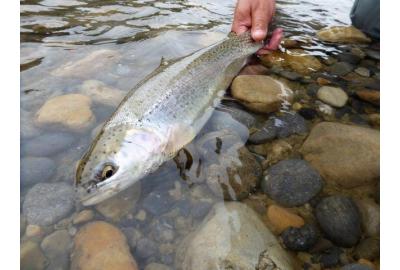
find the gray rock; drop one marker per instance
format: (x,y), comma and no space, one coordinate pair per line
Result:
(224,121)
(47,203)
(200,208)
(349,58)
(292,182)
(32,257)
(339,219)
(290,75)
(362,71)
(231,237)
(356,266)
(132,235)
(239,115)
(28,130)
(158,202)
(370,217)
(35,170)
(47,144)
(367,249)
(162,231)
(146,248)
(279,127)
(56,247)
(341,68)
(300,239)
(157,266)
(373,54)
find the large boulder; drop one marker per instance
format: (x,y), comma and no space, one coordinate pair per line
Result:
(342,34)
(343,154)
(231,237)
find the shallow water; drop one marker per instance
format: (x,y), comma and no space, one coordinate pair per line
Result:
(137,34)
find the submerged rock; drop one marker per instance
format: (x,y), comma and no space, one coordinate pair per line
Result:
(341,68)
(48,144)
(56,247)
(70,111)
(99,245)
(47,203)
(32,257)
(342,34)
(343,154)
(35,170)
(371,96)
(370,216)
(282,219)
(231,237)
(356,266)
(291,182)
(367,249)
(340,220)
(300,239)
(101,93)
(259,93)
(334,96)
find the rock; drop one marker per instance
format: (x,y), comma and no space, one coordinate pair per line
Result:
(31,257)
(341,68)
(121,204)
(291,182)
(158,202)
(236,175)
(221,120)
(70,111)
(133,236)
(101,93)
(56,247)
(371,96)
(339,219)
(290,75)
(238,225)
(343,154)
(259,93)
(27,129)
(362,71)
(35,170)
(370,217)
(200,208)
(323,81)
(22,224)
(47,203)
(83,217)
(374,119)
(241,116)
(89,65)
(308,113)
(298,60)
(282,126)
(324,109)
(146,248)
(300,239)
(254,70)
(157,266)
(279,150)
(349,58)
(373,54)
(334,96)
(330,257)
(99,245)
(34,231)
(356,266)
(367,249)
(289,43)
(342,34)
(48,144)
(282,219)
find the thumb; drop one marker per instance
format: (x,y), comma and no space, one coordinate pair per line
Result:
(259,22)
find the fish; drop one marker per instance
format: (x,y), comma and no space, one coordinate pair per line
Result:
(158,117)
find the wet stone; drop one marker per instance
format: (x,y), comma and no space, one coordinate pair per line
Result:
(362,71)
(200,208)
(279,127)
(56,247)
(158,202)
(47,144)
(146,248)
(290,75)
(341,68)
(47,203)
(349,58)
(342,34)
(373,54)
(281,218)
(291,182)
(340,220)
(367,249)
(157,266)
(132,235)
(329,257)
(224,121)
(370,216)
(333,96)
(308,113)
(32,257)
(35,170)
(300,239)
(356,266)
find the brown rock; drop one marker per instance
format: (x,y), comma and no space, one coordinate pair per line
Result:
(101,246)
(343,34)
(290,43)
(254,70)
(370,217)
(282,218)
(371,96)
(343,154)
(323,81)
(83,216)
(71,111)
(296,59)
(101,93)
(259,93)
(31,257)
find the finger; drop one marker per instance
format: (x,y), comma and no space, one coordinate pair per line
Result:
(275,40)
(260,18)
(242,17)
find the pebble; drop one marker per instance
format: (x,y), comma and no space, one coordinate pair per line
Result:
(118,206)
(344,155)
(261,94)
(300,239)
(308,113)
(339,219)
(349,58)
(290,75)
(236,224)
(101,93)
(157,266)
(330,258)
(371,96)
(367,249)
(290,43)
(278,150)
(56,247)
(341,68)
(356,266)
(243,117)
(47,203)
(48,144)
(158,202)
(370,217)
(35,170)
(323,81)
(373,54)
(362,71)
(374,120)
(101,246)
(132,235)
(282,219)
(334,96)
(236,175)
(291,182)
(342,34)
(83,217)
(32,257)
(34,231)
(282,126)
(254,70)
(70,111)
(146,248)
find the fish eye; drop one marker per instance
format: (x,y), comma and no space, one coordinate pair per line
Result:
(107,172)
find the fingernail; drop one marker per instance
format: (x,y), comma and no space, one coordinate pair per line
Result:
(258,34)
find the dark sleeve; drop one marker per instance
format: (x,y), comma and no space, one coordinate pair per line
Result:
(365,16)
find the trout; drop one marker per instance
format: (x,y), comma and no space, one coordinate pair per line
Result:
(158,117)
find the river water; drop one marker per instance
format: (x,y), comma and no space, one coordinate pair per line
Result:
(116,44)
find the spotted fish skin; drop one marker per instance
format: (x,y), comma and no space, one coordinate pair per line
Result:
(158,117)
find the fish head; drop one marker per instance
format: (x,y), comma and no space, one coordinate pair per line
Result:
(117,158)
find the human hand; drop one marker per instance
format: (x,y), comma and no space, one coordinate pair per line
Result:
(255,15)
